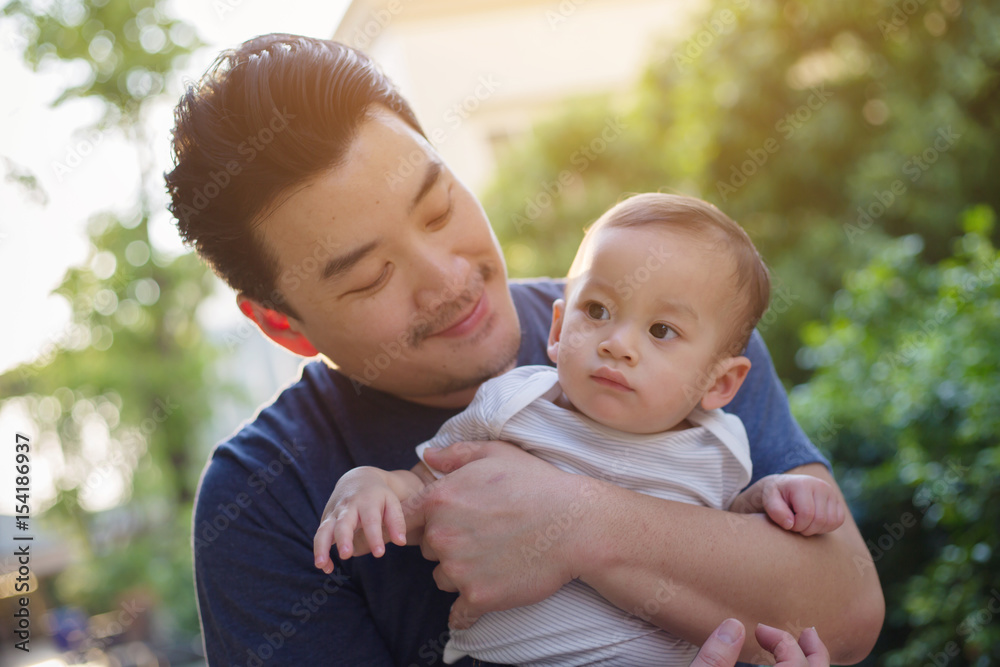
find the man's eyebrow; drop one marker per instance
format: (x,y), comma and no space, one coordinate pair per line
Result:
(434,168)
(338,266)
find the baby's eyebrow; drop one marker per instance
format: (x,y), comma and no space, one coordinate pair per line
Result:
(678,307)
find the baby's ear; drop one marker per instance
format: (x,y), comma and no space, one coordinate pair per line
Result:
(729,377)
(555,331)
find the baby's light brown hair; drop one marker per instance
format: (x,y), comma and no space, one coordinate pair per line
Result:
(706,223)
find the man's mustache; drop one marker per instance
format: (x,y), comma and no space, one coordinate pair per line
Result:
(451,308)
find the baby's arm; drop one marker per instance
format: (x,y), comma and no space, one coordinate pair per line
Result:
(800,503)
(367,497)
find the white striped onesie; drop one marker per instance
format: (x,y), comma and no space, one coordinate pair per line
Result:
(705,465)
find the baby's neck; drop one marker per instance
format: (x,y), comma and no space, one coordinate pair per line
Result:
(563,402)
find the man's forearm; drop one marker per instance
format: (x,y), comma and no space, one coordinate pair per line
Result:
(685,568)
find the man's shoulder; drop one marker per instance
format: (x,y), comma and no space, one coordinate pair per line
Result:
(298,410)
(533,299)
(284,434)
(542,288)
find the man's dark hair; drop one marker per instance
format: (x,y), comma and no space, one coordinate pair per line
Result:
(264,117)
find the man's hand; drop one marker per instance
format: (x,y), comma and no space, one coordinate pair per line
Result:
(722,648)
(490,523)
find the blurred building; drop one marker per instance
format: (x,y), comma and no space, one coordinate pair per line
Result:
(479,72)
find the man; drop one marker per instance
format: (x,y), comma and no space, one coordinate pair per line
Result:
(303,178)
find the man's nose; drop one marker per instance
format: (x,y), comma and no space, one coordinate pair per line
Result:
(440,278)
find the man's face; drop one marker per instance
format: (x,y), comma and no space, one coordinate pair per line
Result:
(394,270)
(642,327)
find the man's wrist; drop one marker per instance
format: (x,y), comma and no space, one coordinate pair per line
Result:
(590,550)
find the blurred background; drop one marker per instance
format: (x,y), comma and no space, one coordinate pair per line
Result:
(858,142)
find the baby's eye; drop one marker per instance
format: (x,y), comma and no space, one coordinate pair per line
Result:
(597,311)
(662,331)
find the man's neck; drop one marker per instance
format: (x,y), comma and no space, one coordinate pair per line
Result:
(455,399)
(459,398)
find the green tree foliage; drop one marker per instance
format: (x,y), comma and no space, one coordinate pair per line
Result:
(905,399)
(128,46)
(821,127)
(121,398)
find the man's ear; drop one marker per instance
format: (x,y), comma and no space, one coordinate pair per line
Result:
(555,331)
(729,377)
(277,327)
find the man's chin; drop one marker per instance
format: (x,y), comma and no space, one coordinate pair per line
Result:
(457,389)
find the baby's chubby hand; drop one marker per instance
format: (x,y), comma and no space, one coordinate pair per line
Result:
(362,498)
(799,503)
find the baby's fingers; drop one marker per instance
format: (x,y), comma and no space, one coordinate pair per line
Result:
(778,510)
(343,533)
(371,524)
(834,515)
(804,506)
(395,524)
(322,542)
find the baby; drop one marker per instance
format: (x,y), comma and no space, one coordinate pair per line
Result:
(660,302)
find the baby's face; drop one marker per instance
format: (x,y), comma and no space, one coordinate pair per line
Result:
(639,337)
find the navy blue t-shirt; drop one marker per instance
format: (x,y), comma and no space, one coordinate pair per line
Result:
(261,600)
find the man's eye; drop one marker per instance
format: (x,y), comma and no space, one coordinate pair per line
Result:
(597,311)
(661,331)
(443,218)
(374,285)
